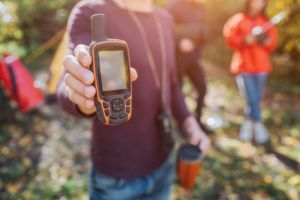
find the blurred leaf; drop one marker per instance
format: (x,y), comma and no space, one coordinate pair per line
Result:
(24,141)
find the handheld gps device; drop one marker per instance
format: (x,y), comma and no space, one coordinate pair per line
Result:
(111,68)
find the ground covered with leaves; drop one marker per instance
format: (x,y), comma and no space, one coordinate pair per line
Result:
(45,155)
(238,170)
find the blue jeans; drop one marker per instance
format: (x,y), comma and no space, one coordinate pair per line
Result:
(251,87)
(155,186)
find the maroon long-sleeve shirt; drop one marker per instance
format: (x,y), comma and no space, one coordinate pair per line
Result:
(135,148)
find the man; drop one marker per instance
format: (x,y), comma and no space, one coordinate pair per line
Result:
(190,34)
(129,161)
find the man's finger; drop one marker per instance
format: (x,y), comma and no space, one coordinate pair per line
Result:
(133,74)
(73,66)
(83,55)
(78,86)
(80,100)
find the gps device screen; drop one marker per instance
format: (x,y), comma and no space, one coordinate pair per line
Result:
(113,70)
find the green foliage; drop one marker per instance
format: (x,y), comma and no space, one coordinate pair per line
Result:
(9,32)
(25,24)
(289,29)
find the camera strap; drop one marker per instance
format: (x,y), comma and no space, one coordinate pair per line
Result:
(160,84)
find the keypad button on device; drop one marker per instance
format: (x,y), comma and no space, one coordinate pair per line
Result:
(117,104)
(122,115)
(128,109)
(107,112)
(114,117)
(105,105)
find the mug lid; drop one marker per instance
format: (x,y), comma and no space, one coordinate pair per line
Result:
(189,152)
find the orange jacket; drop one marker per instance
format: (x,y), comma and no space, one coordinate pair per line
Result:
(248,58)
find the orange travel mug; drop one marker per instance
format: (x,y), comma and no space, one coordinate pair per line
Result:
(188,165)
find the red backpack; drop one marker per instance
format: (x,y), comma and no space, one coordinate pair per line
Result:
(18,83)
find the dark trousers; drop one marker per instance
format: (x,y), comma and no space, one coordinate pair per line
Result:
(189,65)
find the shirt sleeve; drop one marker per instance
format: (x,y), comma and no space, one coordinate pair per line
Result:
(178,105)
(172,8)
(78,32)
(271,45)
(232,35)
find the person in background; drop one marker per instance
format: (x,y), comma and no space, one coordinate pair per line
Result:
(251,63)
(129,161)
(190,36)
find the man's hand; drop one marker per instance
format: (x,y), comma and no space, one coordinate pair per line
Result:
(79,79)
(186,45)
(196,135)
